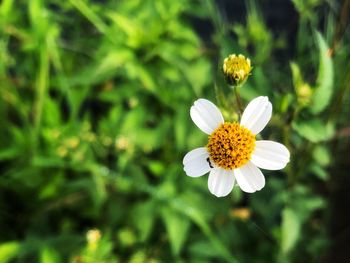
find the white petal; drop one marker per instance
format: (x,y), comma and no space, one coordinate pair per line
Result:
(249,178)
(220,182)
(206,115)
(270,155)
(257,114)
(195,162)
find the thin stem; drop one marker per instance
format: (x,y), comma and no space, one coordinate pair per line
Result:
(41,86)
(286,141)
(286,129)
(265,233)
(339,97)
(238,101)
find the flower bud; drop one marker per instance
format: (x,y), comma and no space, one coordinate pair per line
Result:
(304,93)
(93,236)
(236,69)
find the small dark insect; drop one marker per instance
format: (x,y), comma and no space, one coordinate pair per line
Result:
(208,160)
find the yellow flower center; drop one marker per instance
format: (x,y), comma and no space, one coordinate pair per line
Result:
(236,69)
(230,146)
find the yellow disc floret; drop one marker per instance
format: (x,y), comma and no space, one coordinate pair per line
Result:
(230,146)
(236,69)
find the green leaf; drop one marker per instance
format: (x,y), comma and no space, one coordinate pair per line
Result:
(203,249)
(177,227)
(127,25)
(290,230)
(297,77)
(86,10)
(111,62)
(304,202)
(143,216)
(156,167)
(313,203)
(8,251)
(324,83)
(189,205)
(49,255)
(198,74)
(322,155)
(99,191)
(5,9)
(314,130)
(319,171)
(51,112)
(181,127)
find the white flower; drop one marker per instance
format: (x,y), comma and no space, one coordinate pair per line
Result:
(232,153)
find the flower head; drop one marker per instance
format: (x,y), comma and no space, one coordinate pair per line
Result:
(236,69)
(233,153)
(93,236)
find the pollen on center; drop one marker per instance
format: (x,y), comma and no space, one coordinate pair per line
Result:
(230,146)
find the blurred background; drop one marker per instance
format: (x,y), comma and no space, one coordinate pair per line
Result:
(94,123)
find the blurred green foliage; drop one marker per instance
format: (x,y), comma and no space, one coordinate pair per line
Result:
(94,111)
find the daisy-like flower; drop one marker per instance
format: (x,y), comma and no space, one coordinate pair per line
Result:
(233,153)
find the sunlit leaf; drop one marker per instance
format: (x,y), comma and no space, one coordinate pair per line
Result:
(177,227)
(49,255)
(143,216)
(320,172)
(324,84)
(296,74)
(203,249)
(314,130)
(8,251)
(290,230)
(322,155)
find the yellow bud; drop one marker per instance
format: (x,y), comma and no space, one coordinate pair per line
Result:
(304,93)
(122,143)
(236,69)
(72,142)
(242,213)
(89,137)
(93,236)
(62,151)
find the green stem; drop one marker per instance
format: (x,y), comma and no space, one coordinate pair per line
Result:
(290,169)
(286,141)
(86,11)
(41,86)
(340,96)
(238,101)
